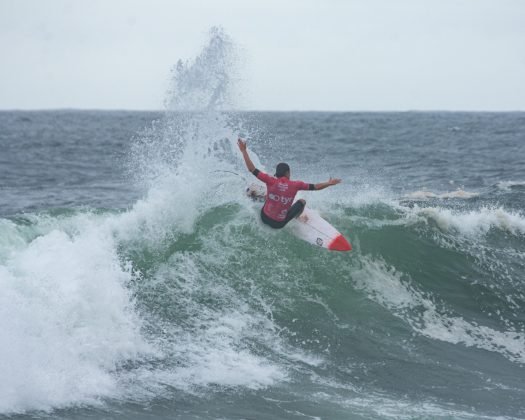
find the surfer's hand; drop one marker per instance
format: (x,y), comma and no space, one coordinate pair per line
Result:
(334,181)
(242,147)
(329,183)
(242,144)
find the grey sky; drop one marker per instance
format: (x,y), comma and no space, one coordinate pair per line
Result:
(298,54)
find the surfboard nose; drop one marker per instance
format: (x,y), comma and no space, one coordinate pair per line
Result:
(340,244)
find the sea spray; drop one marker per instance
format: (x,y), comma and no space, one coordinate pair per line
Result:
(195,126)
(209,330)
(209,81)
(81,277)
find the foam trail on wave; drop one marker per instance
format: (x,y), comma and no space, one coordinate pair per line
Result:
(386,287)
(398,408)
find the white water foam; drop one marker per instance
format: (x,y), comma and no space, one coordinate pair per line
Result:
(70,320)
(473,223)
(424,195)
(67,321)
(212,326)
(507,185)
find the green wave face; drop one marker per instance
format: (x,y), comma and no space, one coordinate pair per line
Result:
(155,303)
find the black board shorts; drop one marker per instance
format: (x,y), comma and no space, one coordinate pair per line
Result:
(294,211)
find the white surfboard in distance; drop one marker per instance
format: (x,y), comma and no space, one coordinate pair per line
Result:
(309,227)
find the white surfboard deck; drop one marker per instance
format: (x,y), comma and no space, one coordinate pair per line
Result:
(309,227)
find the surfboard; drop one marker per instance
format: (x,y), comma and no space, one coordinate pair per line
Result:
(309,227)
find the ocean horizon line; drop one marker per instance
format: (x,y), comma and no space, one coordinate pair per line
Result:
(319,111)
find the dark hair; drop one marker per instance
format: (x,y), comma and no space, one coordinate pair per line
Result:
(281,169)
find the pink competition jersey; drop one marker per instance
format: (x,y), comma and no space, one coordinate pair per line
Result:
(280,193)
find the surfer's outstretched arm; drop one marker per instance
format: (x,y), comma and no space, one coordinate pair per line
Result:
(329,183)
(243,148)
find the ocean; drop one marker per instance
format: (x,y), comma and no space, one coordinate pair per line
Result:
(137,282)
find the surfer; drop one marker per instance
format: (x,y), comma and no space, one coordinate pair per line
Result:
(278,209)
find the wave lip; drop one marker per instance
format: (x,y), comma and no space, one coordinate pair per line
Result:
(475,222)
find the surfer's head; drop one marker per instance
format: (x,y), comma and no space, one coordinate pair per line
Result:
(282,170)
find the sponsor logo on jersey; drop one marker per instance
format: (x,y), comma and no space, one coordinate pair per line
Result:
(281,198)
(282,186)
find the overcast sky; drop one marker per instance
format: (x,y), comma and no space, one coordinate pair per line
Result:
(298,54)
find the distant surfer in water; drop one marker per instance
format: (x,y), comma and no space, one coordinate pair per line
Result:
(278,209)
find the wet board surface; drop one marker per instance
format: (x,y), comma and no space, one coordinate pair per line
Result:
(309,227)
